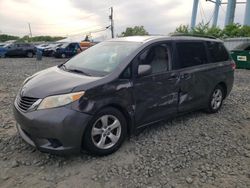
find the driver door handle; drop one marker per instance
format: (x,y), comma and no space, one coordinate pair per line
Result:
(185,76)
(173,76)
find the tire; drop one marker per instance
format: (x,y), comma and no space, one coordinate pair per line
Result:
(99,138)
(30,54)
(216,99)
(63,55)
(52,54)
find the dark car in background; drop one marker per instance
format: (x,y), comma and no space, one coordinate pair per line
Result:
(94,100)
(41,47)
(50,50)
(68,50)
(3,49)
(20,50)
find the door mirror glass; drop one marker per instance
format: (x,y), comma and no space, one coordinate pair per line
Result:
(144,70)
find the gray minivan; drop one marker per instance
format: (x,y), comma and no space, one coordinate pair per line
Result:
(111,90)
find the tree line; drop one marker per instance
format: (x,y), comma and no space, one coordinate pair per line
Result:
(5,37)
(229,31)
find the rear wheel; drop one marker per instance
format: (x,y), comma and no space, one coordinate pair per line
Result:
(63,55)
(106,132)
(216,99)
(30,54)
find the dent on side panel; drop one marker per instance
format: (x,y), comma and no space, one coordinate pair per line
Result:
(187,85)
(114,93)
(184,97)
(169,98)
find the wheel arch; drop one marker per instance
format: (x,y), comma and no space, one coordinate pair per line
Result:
(128,119)
(123,110)
(224,86)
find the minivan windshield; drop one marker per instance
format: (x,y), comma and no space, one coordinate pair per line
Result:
(101,59)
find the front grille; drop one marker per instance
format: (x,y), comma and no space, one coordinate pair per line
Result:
(24,103)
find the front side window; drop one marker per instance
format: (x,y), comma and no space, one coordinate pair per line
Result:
(217,52)
(127,73)
(102,58)
(191,54)
(158,56)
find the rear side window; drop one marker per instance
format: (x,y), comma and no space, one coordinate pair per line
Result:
(191,54)
(217,52)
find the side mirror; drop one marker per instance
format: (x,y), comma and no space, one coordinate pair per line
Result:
(144,70)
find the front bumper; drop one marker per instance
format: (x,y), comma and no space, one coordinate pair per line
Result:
(57,130)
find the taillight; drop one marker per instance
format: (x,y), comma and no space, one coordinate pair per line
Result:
(233,65)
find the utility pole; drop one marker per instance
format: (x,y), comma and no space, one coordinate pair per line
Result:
(216,12)
(247,14)
(230,12)
(30,30)
(111,17)
(231,4)
(194,13)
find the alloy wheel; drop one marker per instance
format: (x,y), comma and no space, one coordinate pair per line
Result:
(106,131)
(30,54)
(217,98)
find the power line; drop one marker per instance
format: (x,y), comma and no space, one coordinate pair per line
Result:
(202,12)
(201,17)
(91,31)
(81,31)
(62,23)
(86,29)
(66,23)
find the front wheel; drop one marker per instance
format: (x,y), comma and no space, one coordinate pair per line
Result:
(106,132)
(216,100)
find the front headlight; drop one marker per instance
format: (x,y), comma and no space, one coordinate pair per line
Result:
(59,100)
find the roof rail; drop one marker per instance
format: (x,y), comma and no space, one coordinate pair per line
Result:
(192,35)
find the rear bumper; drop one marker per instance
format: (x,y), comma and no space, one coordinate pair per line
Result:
(57,131)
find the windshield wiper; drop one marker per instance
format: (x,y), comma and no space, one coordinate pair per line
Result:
(78,71)
(63,66)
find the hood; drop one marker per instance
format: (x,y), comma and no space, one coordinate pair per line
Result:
(54,81)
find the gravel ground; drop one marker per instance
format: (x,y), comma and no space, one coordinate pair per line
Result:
(196,150)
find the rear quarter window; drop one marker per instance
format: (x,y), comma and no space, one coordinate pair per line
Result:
(217,52)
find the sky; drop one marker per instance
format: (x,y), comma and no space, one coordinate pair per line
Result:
(76,18)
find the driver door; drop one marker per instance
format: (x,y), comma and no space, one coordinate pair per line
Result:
(156,94)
